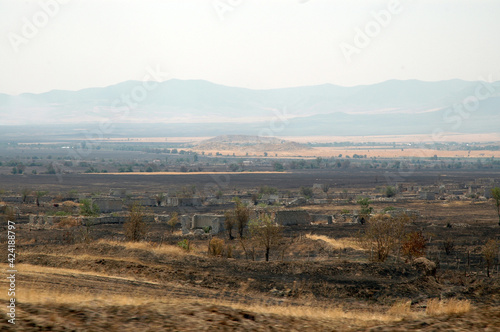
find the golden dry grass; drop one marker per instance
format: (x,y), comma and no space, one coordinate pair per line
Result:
(451,306)
(164,249)
(31,294)
(67,222)
(401,308)
(336,243)
(27,269)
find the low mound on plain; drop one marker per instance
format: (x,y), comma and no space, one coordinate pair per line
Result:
(248,143)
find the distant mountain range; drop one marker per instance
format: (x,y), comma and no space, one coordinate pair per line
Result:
(201,108)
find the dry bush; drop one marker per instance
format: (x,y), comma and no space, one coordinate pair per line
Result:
(400,308)
(70,204)
(414,245)
(173,221)
(385,233)
(448,246)
(135,227)
(490,251)
(67,222)
(216,247)
(10,213)
(452,306)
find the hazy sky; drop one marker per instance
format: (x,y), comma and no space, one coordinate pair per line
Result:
(74,44)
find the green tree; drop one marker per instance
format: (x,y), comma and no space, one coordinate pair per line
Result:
(229,222)
(495,192)
(366,209)
(25,193)
(39,194)
(266,233)
(88,208)
(278,167)
(307,192)
(242,214)
(390,191)
(51,169)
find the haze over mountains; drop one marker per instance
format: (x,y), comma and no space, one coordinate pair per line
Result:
(194,107)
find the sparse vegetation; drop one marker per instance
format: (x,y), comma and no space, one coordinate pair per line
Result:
(216,247)
(306,192)
(490,252)
(266,232)
(495,193)
(384,234)
(447,307)
(89,208)
(242,215)
(414,245)
(390,191)
(135,228)
(173,221)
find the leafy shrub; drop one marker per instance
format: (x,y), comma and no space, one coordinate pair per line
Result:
(390,191)
(307,192)
(184,244)
(88,208)
(266,190)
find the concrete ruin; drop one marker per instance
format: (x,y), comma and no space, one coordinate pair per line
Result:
(120,192)
(293,217)
(108,205)
(214,221)
(322,218)
(182,201)
(428,195)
